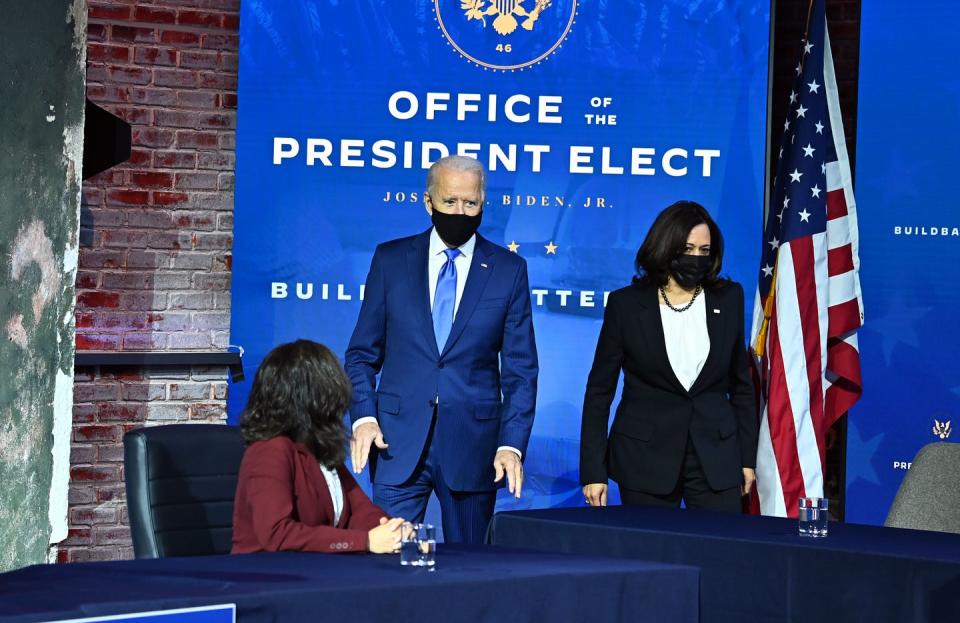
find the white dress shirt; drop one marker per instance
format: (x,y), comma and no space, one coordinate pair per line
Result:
(687,340)
(436,258)
(336,491)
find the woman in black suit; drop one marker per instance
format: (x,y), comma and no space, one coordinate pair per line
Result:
(686,427)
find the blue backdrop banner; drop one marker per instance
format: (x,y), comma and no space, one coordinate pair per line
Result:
(590,116)
(911,231)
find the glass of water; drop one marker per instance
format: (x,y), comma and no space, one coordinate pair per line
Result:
(812,516)
(418,545)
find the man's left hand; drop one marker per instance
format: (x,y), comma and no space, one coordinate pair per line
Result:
(507,462)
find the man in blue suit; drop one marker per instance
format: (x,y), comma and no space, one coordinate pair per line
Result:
(446,322)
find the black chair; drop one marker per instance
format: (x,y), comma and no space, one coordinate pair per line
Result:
(181,480)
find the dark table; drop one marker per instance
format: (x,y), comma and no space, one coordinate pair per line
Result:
(470,584)
(757,568)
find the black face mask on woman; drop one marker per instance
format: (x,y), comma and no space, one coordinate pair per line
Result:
(455,229)
(689,270)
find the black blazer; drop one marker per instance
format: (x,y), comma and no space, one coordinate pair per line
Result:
(656,414)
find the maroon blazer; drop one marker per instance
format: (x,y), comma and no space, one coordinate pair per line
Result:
(283,503)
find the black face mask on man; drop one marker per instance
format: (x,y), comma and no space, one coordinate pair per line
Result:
(689,270)
(455,229)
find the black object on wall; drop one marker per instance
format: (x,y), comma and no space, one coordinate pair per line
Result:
(106,140)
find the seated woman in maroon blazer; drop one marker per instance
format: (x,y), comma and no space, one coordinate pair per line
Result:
(294,492)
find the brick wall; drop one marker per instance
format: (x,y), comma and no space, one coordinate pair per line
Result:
(156,234)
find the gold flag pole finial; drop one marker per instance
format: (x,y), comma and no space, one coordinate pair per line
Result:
(760,346)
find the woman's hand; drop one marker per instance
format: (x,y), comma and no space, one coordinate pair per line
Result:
(595,494)
(385,538)
(749,479)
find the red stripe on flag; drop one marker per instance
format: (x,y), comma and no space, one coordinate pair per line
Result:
(836,204)
(844,361)
(844,318)
(783,434)
(806,279)
(840,260)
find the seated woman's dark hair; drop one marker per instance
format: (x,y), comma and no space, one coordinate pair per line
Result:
(667,240)
(301,392)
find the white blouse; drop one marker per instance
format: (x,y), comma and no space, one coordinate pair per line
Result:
(687,340)
(336,491)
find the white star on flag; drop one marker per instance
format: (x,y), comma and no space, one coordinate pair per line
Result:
(767,270)
(808,151)
(819,127)
(801,111)
(795,176)
(815,191)
(804,216)
(813,86)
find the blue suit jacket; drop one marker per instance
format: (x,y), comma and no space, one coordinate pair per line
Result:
(485,378)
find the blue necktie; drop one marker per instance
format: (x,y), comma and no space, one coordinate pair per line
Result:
(445,298)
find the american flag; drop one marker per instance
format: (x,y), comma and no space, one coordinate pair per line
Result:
(808,305)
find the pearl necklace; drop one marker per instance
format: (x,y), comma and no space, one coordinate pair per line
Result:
(696,292)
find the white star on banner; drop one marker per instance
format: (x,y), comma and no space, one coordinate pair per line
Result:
(786,125)
(823,167)
(815,191)
(808,151)
(795,176)
(774,243)
(786,201)
(799,68)
(813,86)
(807,48)
(804,216)
(793,97)
(767,270)
(801,111)
(819,127)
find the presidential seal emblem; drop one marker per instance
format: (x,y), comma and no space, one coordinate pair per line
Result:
(941,429)
(505,35)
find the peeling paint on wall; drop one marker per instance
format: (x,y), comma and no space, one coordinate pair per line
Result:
(31,246)
(43,46)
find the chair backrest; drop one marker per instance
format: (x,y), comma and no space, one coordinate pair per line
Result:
(929,497)
(181,480)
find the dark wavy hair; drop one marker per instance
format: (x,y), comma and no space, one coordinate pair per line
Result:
(301,392)
(667,240)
